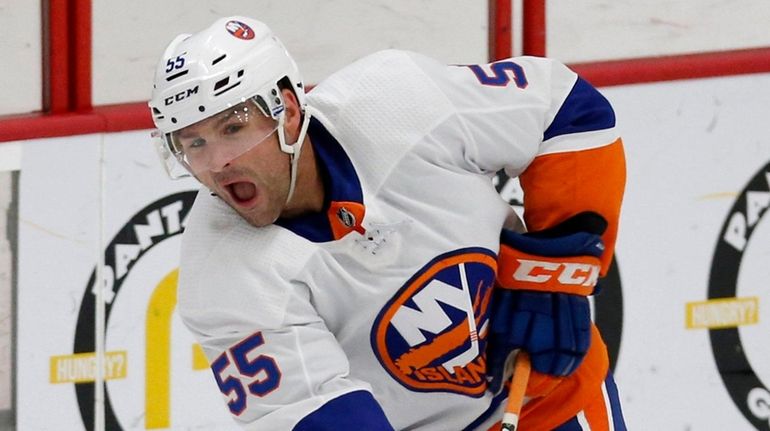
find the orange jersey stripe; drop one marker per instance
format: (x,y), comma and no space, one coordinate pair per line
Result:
(557,399)
(597,414)
(559,185)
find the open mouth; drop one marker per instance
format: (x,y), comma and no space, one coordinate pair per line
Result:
(243,193)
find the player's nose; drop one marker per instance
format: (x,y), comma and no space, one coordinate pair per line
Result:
(219,160)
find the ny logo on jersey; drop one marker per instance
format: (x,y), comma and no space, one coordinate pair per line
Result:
(431,335)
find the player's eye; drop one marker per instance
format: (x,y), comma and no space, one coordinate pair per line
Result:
(195,143)
(232,128)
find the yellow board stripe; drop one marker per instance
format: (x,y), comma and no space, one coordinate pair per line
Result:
(81,367)
(199,362)
(158,353)
(722,313)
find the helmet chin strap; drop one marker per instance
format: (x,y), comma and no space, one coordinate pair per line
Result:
(293,150)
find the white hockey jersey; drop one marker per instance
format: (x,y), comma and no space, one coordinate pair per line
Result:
(385,294)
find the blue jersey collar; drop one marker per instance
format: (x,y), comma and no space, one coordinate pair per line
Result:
(343,210)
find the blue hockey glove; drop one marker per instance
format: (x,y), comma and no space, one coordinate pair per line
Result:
(540,303)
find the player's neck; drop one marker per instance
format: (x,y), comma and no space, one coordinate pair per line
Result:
(309,191)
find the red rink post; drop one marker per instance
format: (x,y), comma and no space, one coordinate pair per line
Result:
(500,43)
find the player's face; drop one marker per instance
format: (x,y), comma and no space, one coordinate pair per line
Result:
(236,155)
(255,184)
(213,142)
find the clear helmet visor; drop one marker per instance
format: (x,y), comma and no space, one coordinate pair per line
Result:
(212,143)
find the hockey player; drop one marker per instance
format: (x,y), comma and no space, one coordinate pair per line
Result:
(349,265)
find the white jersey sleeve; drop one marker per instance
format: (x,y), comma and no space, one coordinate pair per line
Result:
(516,109)
(539,121)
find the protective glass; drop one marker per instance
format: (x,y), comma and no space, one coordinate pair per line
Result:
(212,143)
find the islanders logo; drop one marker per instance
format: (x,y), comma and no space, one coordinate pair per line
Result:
(431,335)
(239,30)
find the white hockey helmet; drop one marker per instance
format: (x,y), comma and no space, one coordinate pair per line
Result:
(235,60)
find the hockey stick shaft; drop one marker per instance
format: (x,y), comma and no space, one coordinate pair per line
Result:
(521,371)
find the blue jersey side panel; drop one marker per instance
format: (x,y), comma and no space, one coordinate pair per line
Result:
(353,411)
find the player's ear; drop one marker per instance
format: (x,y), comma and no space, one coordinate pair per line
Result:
(293,115)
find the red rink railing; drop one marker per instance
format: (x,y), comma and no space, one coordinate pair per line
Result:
(675,67)
(68,108)
(619,72)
